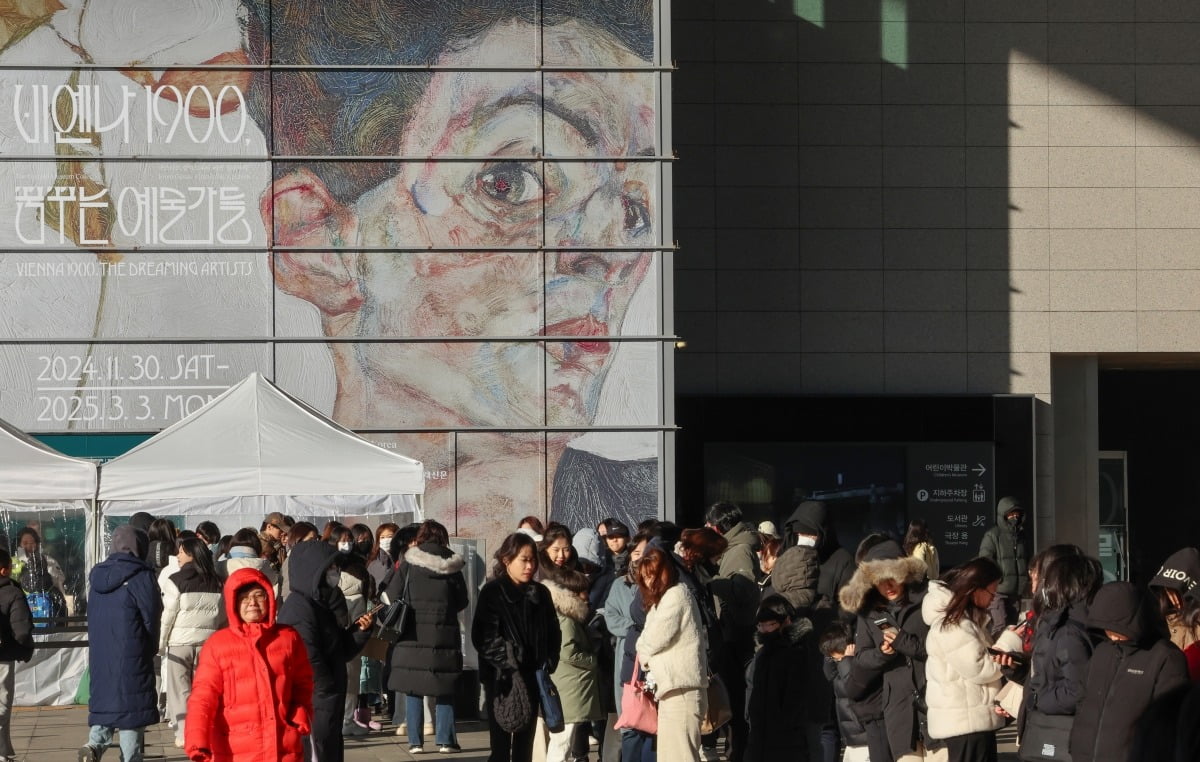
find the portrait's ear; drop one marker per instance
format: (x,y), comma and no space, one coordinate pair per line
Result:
(299,210)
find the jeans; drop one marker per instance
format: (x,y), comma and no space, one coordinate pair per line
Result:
(99,737)
(637,746)
(443,723)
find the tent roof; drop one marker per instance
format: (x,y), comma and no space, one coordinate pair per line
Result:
(255,439)
(29,470)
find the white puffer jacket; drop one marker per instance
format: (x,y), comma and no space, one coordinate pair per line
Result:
(962,680)
(672,644)
(192,610)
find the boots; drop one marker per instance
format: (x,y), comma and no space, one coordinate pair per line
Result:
(362,718)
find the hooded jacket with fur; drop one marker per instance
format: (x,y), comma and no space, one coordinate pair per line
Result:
(577,675)
(901,673)
(673,643)
(428,660)
(1124,678)
(961,679)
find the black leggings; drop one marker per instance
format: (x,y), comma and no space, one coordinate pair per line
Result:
(508,747)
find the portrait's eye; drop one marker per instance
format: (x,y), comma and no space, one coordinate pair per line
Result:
(637,216)
(510,182)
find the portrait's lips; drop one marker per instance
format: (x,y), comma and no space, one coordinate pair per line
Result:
(582,326)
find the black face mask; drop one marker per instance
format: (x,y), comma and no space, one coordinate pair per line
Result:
(363,548)
(1015,523)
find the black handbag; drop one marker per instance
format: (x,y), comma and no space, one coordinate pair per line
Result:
(396,619)
(511,706)
(1046,737)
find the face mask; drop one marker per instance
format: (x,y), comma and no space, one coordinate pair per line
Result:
(332,576)
(386,545)
(809,542)
(213,549)
(1015,522)
(344,547)
(363,548)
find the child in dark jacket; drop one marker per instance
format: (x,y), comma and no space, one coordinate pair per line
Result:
(777,685)
(837,646)
(1131,669)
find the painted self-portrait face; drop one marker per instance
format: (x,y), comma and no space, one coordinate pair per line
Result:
(506,200)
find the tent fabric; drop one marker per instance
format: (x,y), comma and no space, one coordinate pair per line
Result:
(31,471)
(250,509)
(255,440)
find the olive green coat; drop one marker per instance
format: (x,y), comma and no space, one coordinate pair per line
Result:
(577,676)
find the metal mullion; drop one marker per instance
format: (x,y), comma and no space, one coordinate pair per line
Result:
(537,338)
(419,68)
(327,249)
(340,158)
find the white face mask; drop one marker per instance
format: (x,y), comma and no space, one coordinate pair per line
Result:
(344,547)
(386,545)
(810,542)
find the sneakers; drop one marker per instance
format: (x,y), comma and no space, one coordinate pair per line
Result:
(88,754)
(449,748)
(354,730)
(178,743)
(710,754)
(415,750)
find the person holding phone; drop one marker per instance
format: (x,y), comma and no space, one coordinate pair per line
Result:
(886,593)
(317,610)
(963,677)
(428,659)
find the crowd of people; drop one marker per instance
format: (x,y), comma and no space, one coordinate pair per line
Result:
(655,642)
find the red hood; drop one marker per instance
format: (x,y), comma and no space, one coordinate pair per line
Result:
(241,578)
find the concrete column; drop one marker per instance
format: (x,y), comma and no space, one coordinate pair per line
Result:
(1074,400)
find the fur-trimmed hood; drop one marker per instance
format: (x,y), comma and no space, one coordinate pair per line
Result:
(906,570)
(794,632)
(434,558)
(567,603)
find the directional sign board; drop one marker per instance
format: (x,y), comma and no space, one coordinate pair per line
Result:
(951,486)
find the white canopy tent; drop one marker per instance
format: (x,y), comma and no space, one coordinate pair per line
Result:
(253,450)
(50,492)
(32,472)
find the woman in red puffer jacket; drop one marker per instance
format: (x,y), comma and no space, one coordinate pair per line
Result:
(252,694)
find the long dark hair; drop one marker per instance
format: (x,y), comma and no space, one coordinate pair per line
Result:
(1066,576)
(962,582)
(510,549)
(432,531)
(918,532)
(202,560)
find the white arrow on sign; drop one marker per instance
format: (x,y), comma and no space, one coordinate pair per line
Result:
(979,469)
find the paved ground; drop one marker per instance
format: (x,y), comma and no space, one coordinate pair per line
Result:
(54,734)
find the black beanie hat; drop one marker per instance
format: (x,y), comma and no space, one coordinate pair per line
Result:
(1180,572)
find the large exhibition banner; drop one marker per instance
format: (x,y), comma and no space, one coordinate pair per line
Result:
(441,223)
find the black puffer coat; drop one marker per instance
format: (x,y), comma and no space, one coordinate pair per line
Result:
(779,687)
(515,629)
(1124,678)
(16,623)
(902,673)
(1062,649)
(429,660)
(837,673)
